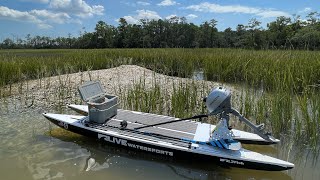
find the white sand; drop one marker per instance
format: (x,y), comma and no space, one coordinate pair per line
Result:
(45,93)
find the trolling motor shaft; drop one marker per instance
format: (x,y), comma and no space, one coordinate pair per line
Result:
(258,129)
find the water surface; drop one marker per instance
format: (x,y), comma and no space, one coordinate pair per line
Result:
(33,148)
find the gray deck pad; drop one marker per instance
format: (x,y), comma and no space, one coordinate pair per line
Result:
(183,129)
(201,131)
(139,134)
(148,119)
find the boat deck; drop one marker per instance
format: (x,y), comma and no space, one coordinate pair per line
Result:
(184,129)
(178,130)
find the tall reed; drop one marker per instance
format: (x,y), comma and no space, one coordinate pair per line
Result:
(271,70)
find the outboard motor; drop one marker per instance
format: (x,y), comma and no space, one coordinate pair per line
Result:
(218,102)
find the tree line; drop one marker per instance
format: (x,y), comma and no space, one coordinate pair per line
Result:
(176,32)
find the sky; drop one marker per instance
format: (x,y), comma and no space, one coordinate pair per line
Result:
(56,18)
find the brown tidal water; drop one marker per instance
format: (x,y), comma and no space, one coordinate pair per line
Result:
(33,148)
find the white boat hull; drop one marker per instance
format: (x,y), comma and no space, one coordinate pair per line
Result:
(159,145)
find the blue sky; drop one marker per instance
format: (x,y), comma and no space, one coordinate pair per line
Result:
(61,17)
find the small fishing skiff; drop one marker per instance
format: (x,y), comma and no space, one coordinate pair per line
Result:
(169,136)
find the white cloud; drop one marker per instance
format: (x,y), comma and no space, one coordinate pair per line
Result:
(130,20)
(305,10)
(216,8)
(41,18)
(44,26)
(16,15)
(132,4)
(142,14)
(167,3)
(146,14)
(59,18)
(98,9)
(143,3)
(36,1)
(76,7)
(191,16)
(60,12)
(171,16)
(271,13)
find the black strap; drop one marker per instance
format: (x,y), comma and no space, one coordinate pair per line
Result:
(193,117)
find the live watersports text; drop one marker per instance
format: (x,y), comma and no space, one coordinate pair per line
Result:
(230,161)
(124,142)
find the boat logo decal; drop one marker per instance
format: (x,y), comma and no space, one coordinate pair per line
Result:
(124,142)
(63,124)
(231,161)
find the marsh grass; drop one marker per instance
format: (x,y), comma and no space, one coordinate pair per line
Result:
(184,100)
(178,99)
(271,70)
(146,100)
